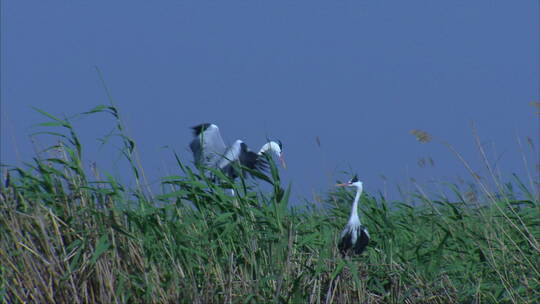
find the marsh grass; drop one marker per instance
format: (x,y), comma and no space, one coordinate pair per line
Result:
(67,236)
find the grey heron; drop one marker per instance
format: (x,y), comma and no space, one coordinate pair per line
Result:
(355,237)
(210,151)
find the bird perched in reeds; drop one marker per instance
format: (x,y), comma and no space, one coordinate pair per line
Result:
(355,237)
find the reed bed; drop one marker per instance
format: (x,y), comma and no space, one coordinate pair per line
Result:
(67,236)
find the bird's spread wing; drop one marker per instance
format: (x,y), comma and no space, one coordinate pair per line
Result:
(261,162)
(232,154)
(207,146)
(249,159)
(252,160)
(239,152)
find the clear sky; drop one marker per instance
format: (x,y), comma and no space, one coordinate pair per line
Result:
(359,75)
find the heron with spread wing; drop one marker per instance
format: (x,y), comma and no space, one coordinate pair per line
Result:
(209,150)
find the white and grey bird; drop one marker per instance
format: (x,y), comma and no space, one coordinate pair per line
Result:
(355,237)
(209,150)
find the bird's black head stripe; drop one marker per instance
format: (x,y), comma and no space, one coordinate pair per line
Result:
(354,179)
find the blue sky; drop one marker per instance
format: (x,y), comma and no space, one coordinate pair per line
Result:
(357,74)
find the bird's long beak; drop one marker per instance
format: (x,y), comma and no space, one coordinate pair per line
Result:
(282,161)
(342,185)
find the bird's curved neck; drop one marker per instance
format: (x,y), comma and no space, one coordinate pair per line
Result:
(354,210)
(270,146)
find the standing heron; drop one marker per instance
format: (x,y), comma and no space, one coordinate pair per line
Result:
(355,237)
(210,151)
